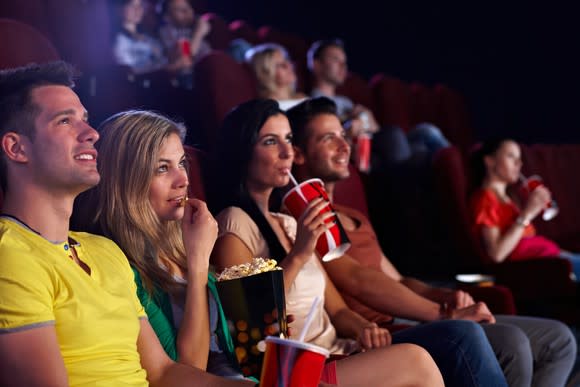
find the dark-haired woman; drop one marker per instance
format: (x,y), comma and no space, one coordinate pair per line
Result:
(503,225)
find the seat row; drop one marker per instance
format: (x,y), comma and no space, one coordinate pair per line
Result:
(107,88)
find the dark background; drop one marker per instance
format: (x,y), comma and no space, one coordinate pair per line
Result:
(516,63)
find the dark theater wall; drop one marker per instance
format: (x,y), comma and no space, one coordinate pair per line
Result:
(517,64)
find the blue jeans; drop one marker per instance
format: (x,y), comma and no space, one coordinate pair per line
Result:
(461,351)
(574,259)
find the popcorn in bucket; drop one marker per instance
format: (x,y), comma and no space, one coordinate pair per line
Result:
(252,297)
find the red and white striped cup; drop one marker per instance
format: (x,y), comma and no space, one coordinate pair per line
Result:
(334,242)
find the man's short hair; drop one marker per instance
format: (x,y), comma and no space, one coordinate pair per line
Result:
(301,114)
(317,49)
(17,111)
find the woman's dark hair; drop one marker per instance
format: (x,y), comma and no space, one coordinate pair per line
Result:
(230,160)
(477,168)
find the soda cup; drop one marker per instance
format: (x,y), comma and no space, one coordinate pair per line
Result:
(362,151)
(334,242)
(184,46)
(531,183)
(292,363)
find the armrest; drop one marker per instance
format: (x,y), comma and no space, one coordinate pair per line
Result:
(498,298)
(534,279)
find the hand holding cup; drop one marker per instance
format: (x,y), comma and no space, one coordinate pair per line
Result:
(537,200)
(308,202)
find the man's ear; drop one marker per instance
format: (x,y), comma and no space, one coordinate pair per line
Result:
(316,66)
(14,147)
(299,158)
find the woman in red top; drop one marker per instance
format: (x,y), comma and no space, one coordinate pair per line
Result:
(502,224)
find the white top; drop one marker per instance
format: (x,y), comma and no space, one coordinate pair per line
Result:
(309,283)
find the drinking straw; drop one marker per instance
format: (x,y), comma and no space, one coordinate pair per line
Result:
(293,179)
(309,318)
(298,189)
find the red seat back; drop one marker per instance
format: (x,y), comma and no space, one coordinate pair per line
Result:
(358,90)
(220,84)
(422,106)
(391,97)
(22,44)
(450,184)
(351,192)
(452,116)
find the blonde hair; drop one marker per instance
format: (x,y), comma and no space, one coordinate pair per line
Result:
(129,146)
(260,60)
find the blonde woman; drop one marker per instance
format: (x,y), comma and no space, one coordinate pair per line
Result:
(275,74)
(167,238)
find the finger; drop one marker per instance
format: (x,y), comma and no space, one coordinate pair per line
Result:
(322,219)
(367,339)
(310,206)
(384,338)
(461,299)
(470,300)
(388,338)
(314,211)
(376,335)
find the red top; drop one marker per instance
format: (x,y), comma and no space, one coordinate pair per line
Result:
(489,211)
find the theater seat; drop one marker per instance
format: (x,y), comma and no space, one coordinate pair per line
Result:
(351,192)
(391,96)
(422,107)
(220,84)
(358,90)
(452,116)
(22,44)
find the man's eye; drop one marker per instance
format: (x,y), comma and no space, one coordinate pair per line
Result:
(64,121)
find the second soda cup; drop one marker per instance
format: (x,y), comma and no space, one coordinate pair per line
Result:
(334,242)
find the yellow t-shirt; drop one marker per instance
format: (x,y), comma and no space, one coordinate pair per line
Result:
(96,316)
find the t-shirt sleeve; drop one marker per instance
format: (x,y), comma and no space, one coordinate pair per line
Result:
(27,292)
(485,211)
(235,221)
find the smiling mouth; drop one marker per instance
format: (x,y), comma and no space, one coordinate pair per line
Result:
(85,156)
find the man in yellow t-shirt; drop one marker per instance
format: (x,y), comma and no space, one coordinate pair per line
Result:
(95,316)
(68,308)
